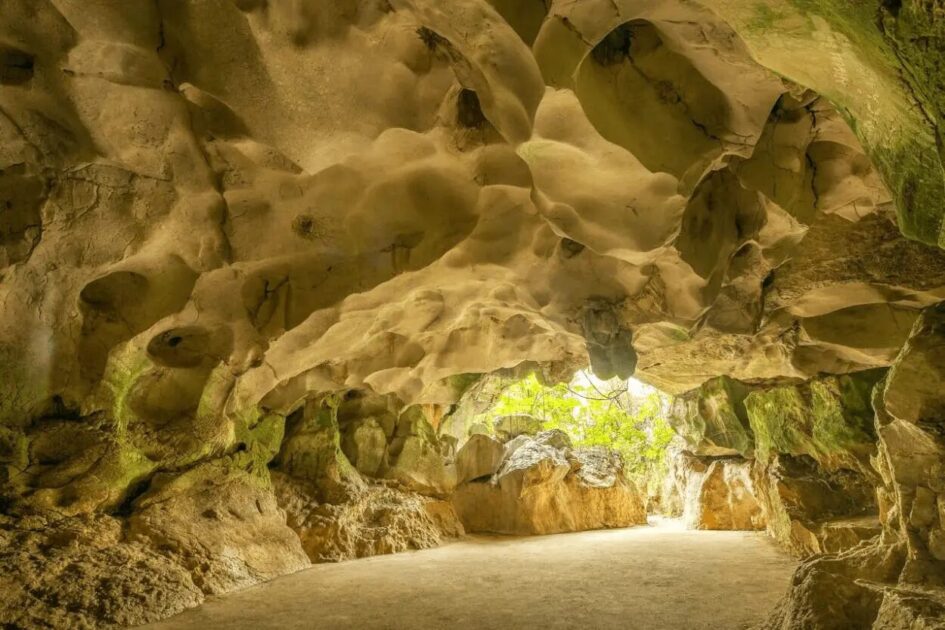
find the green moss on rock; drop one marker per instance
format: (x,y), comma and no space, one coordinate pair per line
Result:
(829,419)
(883,68)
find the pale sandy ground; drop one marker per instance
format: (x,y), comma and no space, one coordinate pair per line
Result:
(653,577)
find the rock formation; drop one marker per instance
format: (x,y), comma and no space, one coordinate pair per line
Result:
(714,494)
(796,459)
(541,485)
(254,252)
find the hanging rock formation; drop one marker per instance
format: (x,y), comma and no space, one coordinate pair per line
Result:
(253,252)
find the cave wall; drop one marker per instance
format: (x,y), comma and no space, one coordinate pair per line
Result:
(220,218)
(896,580)
(796,460)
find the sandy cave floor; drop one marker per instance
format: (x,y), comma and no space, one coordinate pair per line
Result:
(653,577)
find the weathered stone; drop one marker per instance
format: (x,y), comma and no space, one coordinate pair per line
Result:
(231,532)
(508,427)
(367,521)
(480,457)
(714,494)
(830,420)
(365,446)
(81,572)
(800,498)
(544,487)
(232,233)
(420,467)
(713,420)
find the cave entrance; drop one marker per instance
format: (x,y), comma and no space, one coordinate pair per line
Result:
(580,438)
(557,499)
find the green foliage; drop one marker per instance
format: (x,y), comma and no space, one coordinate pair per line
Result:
(594,415)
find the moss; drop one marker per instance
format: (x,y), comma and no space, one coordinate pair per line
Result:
(843,413)
(122,373)
(912,163)
(128,468)
(778,420)
(459,384)
(828,419)
(913,174)
(916,31)
(765,17)
(884,70)
(258,439)
(312,446)
(413,421)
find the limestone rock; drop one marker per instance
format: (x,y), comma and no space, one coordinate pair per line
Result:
(479,457)
(419,466)
(365,446)
(232,534)
(829,420)
(81,572)
(727,498)
(509,427)
(546,487)
(232,232)
(713,419)
(712,493)
(897,582)
(805,504)
(368,521)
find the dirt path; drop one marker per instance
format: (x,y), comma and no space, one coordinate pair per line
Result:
(657,577)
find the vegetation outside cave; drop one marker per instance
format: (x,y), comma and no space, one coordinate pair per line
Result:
(627,416)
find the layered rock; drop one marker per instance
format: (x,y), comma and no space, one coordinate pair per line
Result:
(544,486)
(899,580)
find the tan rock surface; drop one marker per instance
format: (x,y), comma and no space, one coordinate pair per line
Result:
(367,521)
(243,234)
(544,486)
(479,457)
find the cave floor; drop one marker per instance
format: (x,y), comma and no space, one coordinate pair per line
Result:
(652,577)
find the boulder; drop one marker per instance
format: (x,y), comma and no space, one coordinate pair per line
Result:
(369,520)
(480,456)
(544,486)
(508,427)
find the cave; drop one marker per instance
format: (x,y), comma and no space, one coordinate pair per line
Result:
(273,272)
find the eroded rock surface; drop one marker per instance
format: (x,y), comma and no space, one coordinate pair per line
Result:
(255,235)
(544,486)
